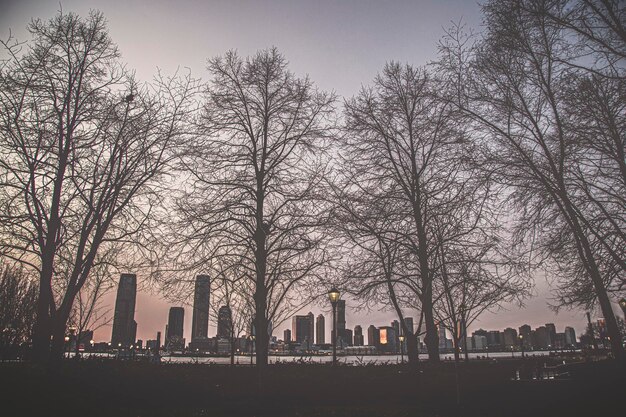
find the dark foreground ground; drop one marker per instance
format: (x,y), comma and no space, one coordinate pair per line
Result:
(110,388)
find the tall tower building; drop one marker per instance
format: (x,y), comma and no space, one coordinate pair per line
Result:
(311,328)
(358,336)
(551,329)
(224,322)
(408,322)
(174,338)
(373,336)
(124,325)
(200,317)
(320,330)
(395,325)
(287,336)
(301,328)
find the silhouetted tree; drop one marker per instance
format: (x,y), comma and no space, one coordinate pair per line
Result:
(522,91)
(83,148)
(253,174)
(18,300)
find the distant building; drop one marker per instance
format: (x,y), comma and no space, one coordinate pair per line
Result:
(124,324)
(442,336)
(200,315)
(541,339)
(311,337)
(525,333)
(358,336)
(495,340)
(570,337)
(347,338)
(341,324)
(408,322)
(510,338)
(287,336)
(373,336)
(302,328)
(320,330)
(395,324)
(479,342)
(387,338)
(174,337)
(224,322)
(551,330)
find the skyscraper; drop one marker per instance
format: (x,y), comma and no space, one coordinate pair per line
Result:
(287,336)
(510,338)
(373,337)
(408,322)
(395,325)
(341,324)
(551,329)
(224,322)
(124,325)
(570,337)
(525,335)
(320,330)
(358,336)
(200,318)
(174,337)
(442,336)
(311,328)
(301,328)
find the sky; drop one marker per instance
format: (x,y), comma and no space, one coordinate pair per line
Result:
(340,45)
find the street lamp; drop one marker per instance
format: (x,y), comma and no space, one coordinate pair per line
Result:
(401,338)
(521,343)
(333,296)
(251,337)
(622,304)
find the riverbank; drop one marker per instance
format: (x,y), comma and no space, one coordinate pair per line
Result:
(112,388)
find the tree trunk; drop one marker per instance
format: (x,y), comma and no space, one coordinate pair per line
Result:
(412,351)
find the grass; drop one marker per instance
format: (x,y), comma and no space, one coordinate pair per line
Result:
(111,388)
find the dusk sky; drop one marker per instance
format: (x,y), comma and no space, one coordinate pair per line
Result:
(341,45)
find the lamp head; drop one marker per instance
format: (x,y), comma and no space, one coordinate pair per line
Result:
(333,295)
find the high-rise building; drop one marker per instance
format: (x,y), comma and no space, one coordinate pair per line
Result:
(358,336)
(551,329)
(224,322)
(320,330)
(341,323)
(124,324)
(387,337)
(570,337)
(495,340)
(287,336)
(373,337)
(525,334)
(301,328)
(442,336)
(311,328)
(396,328)
(174,338)
(408,322)
(200,317)
(510,338)
(541,339)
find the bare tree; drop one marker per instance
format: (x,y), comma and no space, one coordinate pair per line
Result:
(514,84)
(18,298)
(83,146)
(253,175)
(404,145)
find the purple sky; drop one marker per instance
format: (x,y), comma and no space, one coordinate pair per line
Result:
(339,44)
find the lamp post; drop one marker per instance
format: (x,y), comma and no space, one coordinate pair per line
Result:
(521,343)
(622,304)
(67,344)
(251,348)
(401,338)
(333,296)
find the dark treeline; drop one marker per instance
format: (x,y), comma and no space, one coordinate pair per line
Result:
(440,189)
